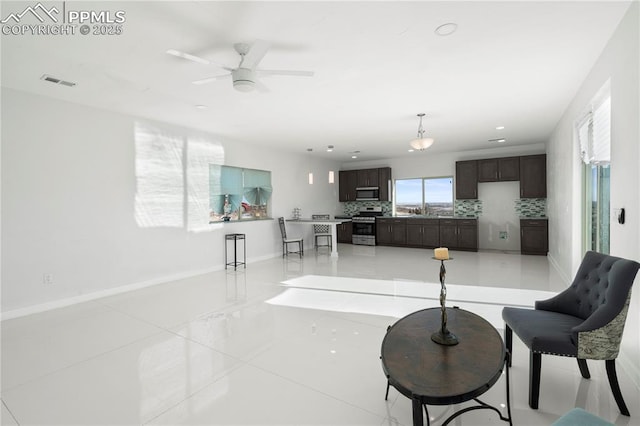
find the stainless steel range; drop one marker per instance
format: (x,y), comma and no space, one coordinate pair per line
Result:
(364,226)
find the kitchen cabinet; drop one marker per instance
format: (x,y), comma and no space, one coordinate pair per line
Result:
(534,236)
(508,169)
(345,232)
(347,184)
(384,182)
(499,169)
(467,180)
(533,176)
(367,177)
(423,233)
(349,180)
(459,234)
(391,231)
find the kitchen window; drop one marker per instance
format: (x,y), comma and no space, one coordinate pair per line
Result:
(237,193)
(424,196)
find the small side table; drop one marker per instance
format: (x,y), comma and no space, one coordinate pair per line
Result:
(235,238)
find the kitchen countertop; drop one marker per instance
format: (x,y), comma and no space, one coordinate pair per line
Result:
(428,217)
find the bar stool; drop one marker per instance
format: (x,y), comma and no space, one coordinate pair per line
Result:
(235,238)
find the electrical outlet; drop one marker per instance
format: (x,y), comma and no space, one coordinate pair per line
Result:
(503,235)
(47,278)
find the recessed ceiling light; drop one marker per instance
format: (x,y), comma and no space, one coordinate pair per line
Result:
(499,140)
(354,156)
(410,150)
(330,148)
(446,29)
(201,106)
(500,128)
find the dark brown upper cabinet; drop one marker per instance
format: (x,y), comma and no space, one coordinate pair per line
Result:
(467,180)
(384,182)
(352,179)
(533,176)
(499,169)
(367,178)
(508,169)
(347,185)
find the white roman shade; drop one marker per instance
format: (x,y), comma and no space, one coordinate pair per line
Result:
(594,133)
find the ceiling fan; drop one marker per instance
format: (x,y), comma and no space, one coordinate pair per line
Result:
(245,75)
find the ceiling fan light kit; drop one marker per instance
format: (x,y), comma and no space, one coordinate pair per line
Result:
(243,79)
(421,142)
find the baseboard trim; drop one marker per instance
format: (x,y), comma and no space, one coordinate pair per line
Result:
(69,301)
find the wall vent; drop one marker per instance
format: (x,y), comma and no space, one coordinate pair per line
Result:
(54,80)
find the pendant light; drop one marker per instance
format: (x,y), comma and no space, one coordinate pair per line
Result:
(421,143)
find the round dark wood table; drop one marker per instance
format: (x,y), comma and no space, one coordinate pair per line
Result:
(432,374)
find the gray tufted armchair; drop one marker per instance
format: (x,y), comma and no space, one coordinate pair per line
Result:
(584,321)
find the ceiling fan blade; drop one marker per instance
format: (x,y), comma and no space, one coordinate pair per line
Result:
(255,54)
(188,56)
(197,59)
(285,72)
(210,79)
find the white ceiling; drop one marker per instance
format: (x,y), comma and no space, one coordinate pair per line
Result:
(377,64)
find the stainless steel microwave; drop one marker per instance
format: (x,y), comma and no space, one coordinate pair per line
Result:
(369,193)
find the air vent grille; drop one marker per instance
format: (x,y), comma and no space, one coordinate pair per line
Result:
(55,80)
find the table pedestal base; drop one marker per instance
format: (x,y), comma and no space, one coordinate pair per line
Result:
(447,338)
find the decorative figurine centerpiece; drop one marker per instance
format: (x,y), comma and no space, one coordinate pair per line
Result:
(443,336)
(226,209)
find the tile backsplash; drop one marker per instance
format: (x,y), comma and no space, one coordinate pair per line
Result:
(531,207)
(524,207)
(351,208)
(468,208)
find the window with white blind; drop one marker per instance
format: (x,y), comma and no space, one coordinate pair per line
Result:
(593,132)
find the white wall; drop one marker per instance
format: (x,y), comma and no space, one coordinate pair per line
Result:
(620,62)
(499,215)
(76,206)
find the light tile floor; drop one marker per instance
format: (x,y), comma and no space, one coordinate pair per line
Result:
(284,342)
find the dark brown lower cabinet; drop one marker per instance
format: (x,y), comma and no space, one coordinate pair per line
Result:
(391,231)
(459,234)
(345,232)
(423,233)
(534,236)
(455,234)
